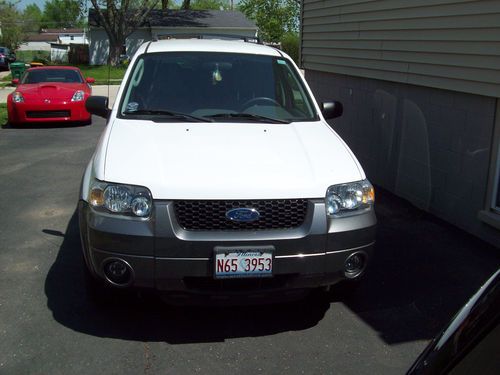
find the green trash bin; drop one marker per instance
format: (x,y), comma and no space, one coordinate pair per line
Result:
(17,69)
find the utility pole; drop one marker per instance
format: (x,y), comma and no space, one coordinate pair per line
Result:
(232,4)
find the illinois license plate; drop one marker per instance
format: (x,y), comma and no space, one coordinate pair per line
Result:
(243,262)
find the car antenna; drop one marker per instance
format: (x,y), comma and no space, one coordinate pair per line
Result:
(109,72)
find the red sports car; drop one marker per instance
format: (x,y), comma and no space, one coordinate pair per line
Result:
(50,94)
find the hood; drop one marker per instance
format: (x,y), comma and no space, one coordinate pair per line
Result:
(228,160)
(50,90)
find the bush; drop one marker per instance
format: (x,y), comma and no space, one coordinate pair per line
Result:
(290,45)
(33,56)
(40,59)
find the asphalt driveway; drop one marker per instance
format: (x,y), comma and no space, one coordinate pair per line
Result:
(423,272)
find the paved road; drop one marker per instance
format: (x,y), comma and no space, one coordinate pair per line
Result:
(424,270)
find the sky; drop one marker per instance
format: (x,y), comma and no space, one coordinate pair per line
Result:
(22,4)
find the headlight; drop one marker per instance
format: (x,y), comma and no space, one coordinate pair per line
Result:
(352,197)
(121,199)
(78,96)
(17,97)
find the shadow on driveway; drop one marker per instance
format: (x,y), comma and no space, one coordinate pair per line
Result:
(145,318)
(423,271)
(45,125)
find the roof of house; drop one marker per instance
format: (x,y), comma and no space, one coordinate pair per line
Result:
(188,18)
(41,38)
(62,31)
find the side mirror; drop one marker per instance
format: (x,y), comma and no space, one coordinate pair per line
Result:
(90,80)
(331,109)
(15,81)
(97,105)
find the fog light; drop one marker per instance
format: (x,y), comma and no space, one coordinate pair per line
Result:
(118,272)
(354,265)
(141,206)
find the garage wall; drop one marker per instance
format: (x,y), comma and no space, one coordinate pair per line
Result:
(429,146)
(447,44)
(59,53)
(99,44)
(98,47)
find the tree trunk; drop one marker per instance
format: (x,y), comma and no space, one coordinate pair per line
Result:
(164,4)
(186,4)
(115,50)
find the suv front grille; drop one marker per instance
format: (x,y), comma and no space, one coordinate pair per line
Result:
(211,215)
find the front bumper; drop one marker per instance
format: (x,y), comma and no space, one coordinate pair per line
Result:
(40,112)
(165,257)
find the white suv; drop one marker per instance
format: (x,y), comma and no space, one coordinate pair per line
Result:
(217,175)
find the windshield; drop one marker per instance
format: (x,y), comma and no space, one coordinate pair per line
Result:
(217,86)
(52,75)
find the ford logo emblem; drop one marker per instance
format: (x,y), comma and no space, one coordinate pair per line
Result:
(243,215)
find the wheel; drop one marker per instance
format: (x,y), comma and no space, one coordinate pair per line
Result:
(262,99)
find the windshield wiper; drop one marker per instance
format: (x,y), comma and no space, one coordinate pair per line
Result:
(169,114)
(248,116)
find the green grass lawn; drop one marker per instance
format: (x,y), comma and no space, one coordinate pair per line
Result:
(100,73)
(3,114)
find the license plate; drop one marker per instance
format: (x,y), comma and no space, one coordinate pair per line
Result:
(243,262)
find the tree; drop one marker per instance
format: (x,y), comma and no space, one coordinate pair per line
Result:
(61,13)
(32,17)
(186,4)
(120,18)
(274,18)
(11,31)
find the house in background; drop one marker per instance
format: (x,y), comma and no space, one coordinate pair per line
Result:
(420,84)
(37,42)
(169,22)
(46,37)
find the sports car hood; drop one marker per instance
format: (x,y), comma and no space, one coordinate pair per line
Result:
(49,90)
(228,160)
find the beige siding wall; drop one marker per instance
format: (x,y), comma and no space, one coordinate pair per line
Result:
(447,44)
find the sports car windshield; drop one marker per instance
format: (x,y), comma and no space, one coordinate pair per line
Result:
(207,86)
(52,75)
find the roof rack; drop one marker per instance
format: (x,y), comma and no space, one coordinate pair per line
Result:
(248,39)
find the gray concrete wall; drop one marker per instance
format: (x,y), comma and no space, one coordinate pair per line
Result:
(427,145)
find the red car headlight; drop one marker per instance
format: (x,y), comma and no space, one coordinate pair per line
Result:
(78,96)
(17,97)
